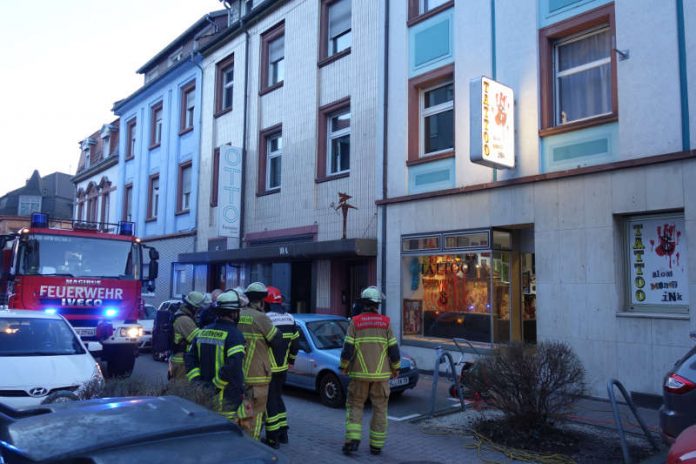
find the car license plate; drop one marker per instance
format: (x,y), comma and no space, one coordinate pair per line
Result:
(399,381)
(86,331)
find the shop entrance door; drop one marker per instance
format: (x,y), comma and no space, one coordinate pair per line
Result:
(358,278)
(528,297)
(301,287)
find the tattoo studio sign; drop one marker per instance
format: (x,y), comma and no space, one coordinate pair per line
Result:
(658,262)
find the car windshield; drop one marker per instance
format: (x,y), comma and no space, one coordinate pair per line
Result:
(45,254)
(149,312)
(37,337)
(329,334)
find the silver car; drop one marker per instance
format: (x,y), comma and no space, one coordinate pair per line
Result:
(317,365)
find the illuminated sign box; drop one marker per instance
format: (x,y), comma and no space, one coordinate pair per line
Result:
(492,123)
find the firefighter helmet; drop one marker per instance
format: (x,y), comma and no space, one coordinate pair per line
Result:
(229,301)
(194,299)
(243,300)
(372,295)
(274,296)
(256,291)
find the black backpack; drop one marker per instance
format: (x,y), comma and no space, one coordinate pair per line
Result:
(163,332)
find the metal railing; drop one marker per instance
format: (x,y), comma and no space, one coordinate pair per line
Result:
(440,358)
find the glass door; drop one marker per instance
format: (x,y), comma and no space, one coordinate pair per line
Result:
(501,298)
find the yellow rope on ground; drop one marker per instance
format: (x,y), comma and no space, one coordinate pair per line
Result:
(483,443)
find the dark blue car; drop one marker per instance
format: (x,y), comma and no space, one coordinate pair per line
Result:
(317,364)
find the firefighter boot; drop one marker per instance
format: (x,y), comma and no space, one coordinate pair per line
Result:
(350,447)
(375,450)
(283,436)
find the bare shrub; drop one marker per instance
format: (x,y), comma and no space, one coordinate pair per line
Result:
(534,386)
(119,387)
(199,394)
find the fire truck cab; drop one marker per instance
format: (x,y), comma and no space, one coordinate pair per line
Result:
(90,273)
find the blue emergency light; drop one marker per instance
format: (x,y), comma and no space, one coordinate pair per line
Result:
(39,220)
(50,310)
(126,228)
(110,312)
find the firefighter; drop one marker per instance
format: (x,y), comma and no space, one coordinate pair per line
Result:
(215,359)
(282,355)
(206,316)
(260,336)
(185,330)
(370,357)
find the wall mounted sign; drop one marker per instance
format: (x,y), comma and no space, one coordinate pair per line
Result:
(230,192)
(492,123)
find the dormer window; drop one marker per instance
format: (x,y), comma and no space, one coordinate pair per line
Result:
(152,74)
(177,56)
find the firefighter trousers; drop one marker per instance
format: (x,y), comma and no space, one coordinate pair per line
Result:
(177,370)
(276,414)
(258,395)
(358,393)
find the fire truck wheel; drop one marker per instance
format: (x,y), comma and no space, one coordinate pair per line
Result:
(61,396)
(119,363)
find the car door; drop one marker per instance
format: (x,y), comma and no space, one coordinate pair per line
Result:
(301,374)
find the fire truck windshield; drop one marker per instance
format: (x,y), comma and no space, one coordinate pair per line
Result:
(44,254)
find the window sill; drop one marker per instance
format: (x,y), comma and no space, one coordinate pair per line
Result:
(270,89)
(341,175)
(128,158)
(151,219)
(429,14)
(154,145)
(186,131)
(335,57)
(182,211)
(222,112)
(653,315)
(573,126)
(428,159)
(268,192)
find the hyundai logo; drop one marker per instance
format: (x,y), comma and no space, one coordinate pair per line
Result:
(38,391)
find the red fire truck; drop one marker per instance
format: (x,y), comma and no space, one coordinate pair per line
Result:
(90,273)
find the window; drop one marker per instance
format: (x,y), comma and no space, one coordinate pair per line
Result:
(175,57)
(657,263)
(270,159)
(128,202)
(105,207)
(214,182)
(334,140)
(224,85)
(335,29)
(92,196)
(183,203)
(28,204)
(578,72)
(156,126)
(130,139)
(431,115)
(153,197)
(188,105)
(273,58)
(419,10)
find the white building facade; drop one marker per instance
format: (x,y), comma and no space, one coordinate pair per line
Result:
(591,237)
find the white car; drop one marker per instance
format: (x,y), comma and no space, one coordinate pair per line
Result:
(147,320)
(42,360)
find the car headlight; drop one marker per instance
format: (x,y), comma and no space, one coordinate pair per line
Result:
(131,332)
(410,360)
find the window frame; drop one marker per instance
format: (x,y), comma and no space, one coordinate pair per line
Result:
(127,202)
(157,108)
(180,188)
(323,139)
(415,16)
(215,179)
(131,126)
(262,180)
(152,207)
(186,90)
(324,56)
(549,37)
(221,85)
(417,88)
(270,35)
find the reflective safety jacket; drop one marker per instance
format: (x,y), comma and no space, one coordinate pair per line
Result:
(285,351)
(216,356)
(259,334)
(185,330)
(368,344)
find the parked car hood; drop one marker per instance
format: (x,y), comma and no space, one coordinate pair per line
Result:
(23,372)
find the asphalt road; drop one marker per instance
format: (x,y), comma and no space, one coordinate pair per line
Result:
(410,405)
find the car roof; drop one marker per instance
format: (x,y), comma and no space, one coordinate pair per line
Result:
(88,426)
(27,313)
(318,317)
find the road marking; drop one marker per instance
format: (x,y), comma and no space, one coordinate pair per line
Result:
(400,419)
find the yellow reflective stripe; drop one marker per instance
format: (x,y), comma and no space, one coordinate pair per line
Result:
(396,365)
(177,358)
(363,375)
(392,341)
(234,350)
(193,334)
(288,335)
(218,382)
(349,340)
(257,380)
(371,340)
(193,373)
(380,363)
(246,319)
(253,336)
(361,360)
(248,358)
(272,333)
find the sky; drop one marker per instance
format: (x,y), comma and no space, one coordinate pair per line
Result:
(63,65)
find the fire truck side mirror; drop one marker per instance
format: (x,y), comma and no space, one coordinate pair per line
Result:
(153,270)
(154,254)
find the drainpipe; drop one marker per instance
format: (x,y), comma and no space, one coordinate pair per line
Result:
(683,82)
(200,152)
(242,207)
(494,71)
(385,146)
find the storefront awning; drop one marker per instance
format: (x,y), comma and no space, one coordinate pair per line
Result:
(287,252)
